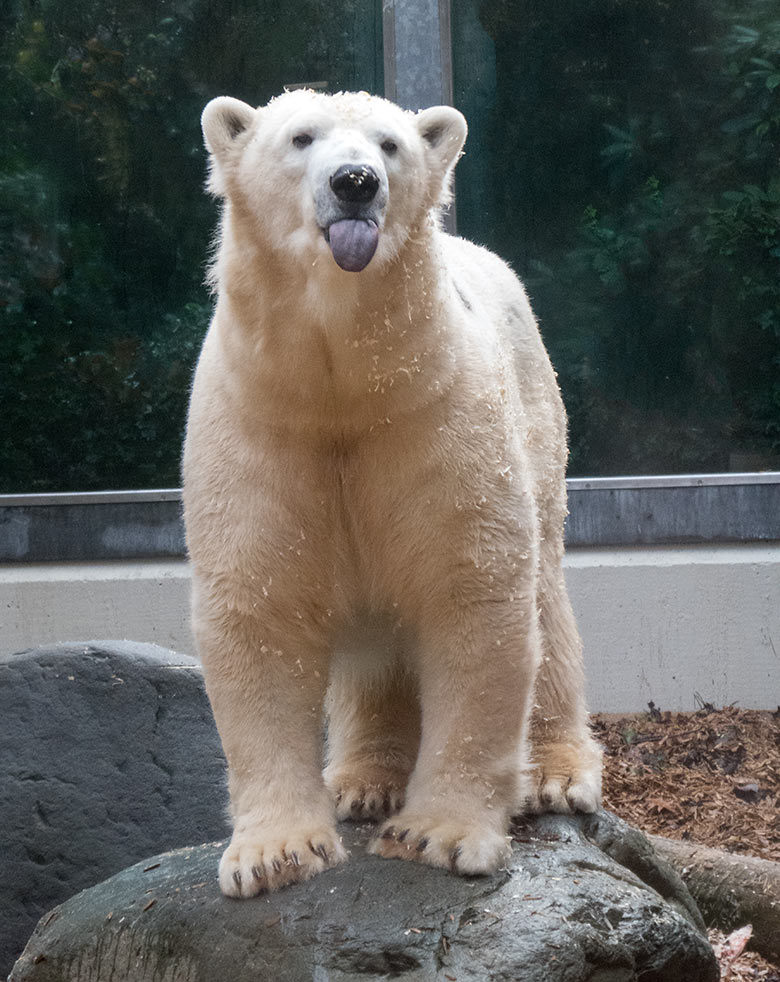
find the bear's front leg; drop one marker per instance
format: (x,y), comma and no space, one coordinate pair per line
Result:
(266,682)
(476,669)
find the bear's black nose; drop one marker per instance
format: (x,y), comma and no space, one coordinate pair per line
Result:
(355,183)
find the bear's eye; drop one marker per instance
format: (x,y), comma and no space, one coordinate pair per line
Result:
(301,140)
(389,147)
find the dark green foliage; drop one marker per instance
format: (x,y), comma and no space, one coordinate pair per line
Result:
(104,226)
(624,155)
(632,150)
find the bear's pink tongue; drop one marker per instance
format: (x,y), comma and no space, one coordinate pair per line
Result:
(353,243)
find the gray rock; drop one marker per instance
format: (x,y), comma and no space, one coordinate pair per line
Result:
(108,753)
(564,910)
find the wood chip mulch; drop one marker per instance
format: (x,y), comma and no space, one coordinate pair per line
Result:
(711,776)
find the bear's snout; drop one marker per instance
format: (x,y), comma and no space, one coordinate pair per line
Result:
(355,183)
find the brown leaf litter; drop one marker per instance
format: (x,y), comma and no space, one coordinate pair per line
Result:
(711,776)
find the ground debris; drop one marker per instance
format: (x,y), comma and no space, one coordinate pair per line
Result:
(711,777)
(736,964)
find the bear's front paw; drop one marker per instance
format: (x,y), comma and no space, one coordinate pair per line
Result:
(568,778)
(370,793)
(464,847)
(258,861)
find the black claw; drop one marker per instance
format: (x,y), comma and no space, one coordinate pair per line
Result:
(422,845)
(454,857)
(294,859)
(403,835)
(320,851)
(237,878)
(277,866)
(389,832)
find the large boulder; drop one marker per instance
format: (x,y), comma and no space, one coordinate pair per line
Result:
(108,753)
(584,898)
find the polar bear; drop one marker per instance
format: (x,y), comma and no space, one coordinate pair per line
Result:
(374,501)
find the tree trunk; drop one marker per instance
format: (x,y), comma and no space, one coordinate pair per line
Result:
(731,890)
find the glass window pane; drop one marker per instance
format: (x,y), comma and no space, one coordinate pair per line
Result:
(105,225)
(623,155)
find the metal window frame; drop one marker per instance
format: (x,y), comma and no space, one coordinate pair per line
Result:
(619,511)
(418,52)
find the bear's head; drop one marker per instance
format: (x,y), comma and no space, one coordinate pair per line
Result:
(346,178)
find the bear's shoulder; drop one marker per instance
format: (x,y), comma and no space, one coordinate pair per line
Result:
(467,258)
(476,270)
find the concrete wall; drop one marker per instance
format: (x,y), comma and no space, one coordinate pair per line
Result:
(669,623)
(658,623)
(137,600)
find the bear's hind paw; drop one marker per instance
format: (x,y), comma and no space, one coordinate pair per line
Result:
(371,795)
(568,779)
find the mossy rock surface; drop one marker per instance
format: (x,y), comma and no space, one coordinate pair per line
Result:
(108,754)
(584,898)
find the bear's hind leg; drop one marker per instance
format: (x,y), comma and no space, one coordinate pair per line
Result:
(373,733)
(567,758)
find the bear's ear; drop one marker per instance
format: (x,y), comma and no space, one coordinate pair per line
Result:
(443,130)
(223,120)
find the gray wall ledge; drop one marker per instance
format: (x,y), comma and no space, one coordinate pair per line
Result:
(94,526)
(704,509)
(622,511)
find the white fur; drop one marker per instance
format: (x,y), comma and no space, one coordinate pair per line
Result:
(374,498)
